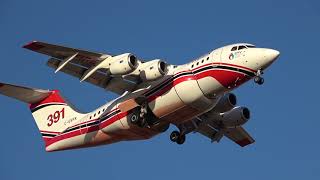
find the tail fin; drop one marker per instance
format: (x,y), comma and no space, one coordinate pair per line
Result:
(52,113)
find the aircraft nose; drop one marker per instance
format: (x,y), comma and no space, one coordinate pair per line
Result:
(269,56)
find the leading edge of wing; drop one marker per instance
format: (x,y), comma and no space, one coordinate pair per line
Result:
(61,52)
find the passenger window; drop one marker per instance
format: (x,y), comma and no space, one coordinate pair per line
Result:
(192,66)
(241,47)
(90,117)
(94,115)
(234,48)
(197,63)
(99,112)
(103,110)
(202,61)
(207,58)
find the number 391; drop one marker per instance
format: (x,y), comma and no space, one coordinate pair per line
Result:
(55,117)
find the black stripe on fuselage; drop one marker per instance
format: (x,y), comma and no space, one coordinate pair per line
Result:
(167,82)
(248,73)
(97,122)
(44,105)
(161,86)
(202,69)
(48,135)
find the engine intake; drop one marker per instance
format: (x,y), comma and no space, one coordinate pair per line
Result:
(226,103)
(153,70)
(123,64)
(235,117)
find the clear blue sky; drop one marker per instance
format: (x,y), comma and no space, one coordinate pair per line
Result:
(284,120)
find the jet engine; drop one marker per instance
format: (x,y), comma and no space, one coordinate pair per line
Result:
(226,103)
(153,70)
(123,64)
(235,117)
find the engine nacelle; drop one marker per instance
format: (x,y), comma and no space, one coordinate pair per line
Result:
(123,64)
(153,70)
(235,117)
(226,103)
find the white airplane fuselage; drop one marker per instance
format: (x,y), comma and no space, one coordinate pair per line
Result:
(185,92)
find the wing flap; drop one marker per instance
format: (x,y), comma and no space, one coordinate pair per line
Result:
(206,131)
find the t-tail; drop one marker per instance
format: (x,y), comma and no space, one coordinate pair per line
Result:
(51,112)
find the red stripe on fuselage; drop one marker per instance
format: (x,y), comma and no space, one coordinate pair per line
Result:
(52,132)
(234,65)
(224,77)
(87,129)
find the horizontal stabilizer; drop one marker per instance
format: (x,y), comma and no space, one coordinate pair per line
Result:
(24,94)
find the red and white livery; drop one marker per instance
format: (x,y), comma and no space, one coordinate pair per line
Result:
(195,97)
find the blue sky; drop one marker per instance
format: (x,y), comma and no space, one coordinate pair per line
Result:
(284,110)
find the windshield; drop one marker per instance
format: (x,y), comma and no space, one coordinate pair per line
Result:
(250,46)
(242,47)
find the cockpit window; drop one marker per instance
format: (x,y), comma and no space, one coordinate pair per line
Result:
(250,46)
(241,47)
(234,48)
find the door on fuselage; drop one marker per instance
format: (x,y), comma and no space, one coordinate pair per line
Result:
(83,127)
(205,72)
(216,56)
(232,58)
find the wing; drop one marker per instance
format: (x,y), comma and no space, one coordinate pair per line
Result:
(84,58)
(211,130)
(118,85)
(238,135)
(82,64)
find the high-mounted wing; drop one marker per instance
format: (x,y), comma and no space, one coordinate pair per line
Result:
(100,69)
(117,85)
(238,135)
(211,129)
(84,58)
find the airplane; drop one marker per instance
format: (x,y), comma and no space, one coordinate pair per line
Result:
(195,97)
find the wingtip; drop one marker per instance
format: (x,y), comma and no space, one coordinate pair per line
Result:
(33,45)
(28,44)
(245,142)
